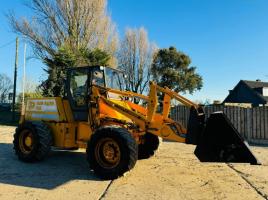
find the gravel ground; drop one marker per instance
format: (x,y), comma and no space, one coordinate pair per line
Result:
(173,173)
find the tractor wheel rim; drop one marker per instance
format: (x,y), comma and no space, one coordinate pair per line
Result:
(108,153)
(26,141)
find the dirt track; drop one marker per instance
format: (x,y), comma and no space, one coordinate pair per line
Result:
(174,173)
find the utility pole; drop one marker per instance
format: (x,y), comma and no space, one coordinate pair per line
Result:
(24,77)
(15,79)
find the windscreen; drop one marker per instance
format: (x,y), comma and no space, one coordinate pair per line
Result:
(114,79)
(97,77)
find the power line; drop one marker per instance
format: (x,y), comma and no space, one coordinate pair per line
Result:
(5,45)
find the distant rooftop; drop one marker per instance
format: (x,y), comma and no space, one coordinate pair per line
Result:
(256,84)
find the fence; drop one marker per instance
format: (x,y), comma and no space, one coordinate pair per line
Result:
(251,123)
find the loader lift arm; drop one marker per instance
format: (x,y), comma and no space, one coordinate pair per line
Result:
(216,139)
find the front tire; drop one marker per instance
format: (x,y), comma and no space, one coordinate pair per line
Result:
(111,152)
(32,141)
(149,145)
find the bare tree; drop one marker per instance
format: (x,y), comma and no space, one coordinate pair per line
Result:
(30,86)
(30,90)
(5,87)
(135,58)
(74,24)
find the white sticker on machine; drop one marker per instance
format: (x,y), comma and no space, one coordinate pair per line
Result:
(42,105)
(42,109)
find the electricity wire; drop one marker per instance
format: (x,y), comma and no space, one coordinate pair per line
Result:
(7,44)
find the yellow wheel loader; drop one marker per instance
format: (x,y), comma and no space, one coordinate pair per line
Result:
(98,115)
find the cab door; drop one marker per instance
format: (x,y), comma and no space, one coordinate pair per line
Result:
(78,92)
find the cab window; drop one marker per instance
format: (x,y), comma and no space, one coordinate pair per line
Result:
(79,87)
(114,79)
(98,78)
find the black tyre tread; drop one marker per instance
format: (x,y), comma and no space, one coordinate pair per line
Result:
(149,147)
(130,145)
(44,141)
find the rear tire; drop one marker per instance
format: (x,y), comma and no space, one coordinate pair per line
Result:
(111,152)
(32,141)
(149,146)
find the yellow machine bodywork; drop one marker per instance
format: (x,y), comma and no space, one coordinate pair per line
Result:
(67,133)
(56,112)
(116,131)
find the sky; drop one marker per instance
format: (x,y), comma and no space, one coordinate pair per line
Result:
(227,40)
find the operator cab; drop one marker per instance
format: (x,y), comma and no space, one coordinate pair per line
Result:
(79,84)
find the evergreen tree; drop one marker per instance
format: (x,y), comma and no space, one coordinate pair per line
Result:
(64,59)
(172,68)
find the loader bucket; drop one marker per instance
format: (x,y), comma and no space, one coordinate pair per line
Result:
(221,142)
(195,125)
